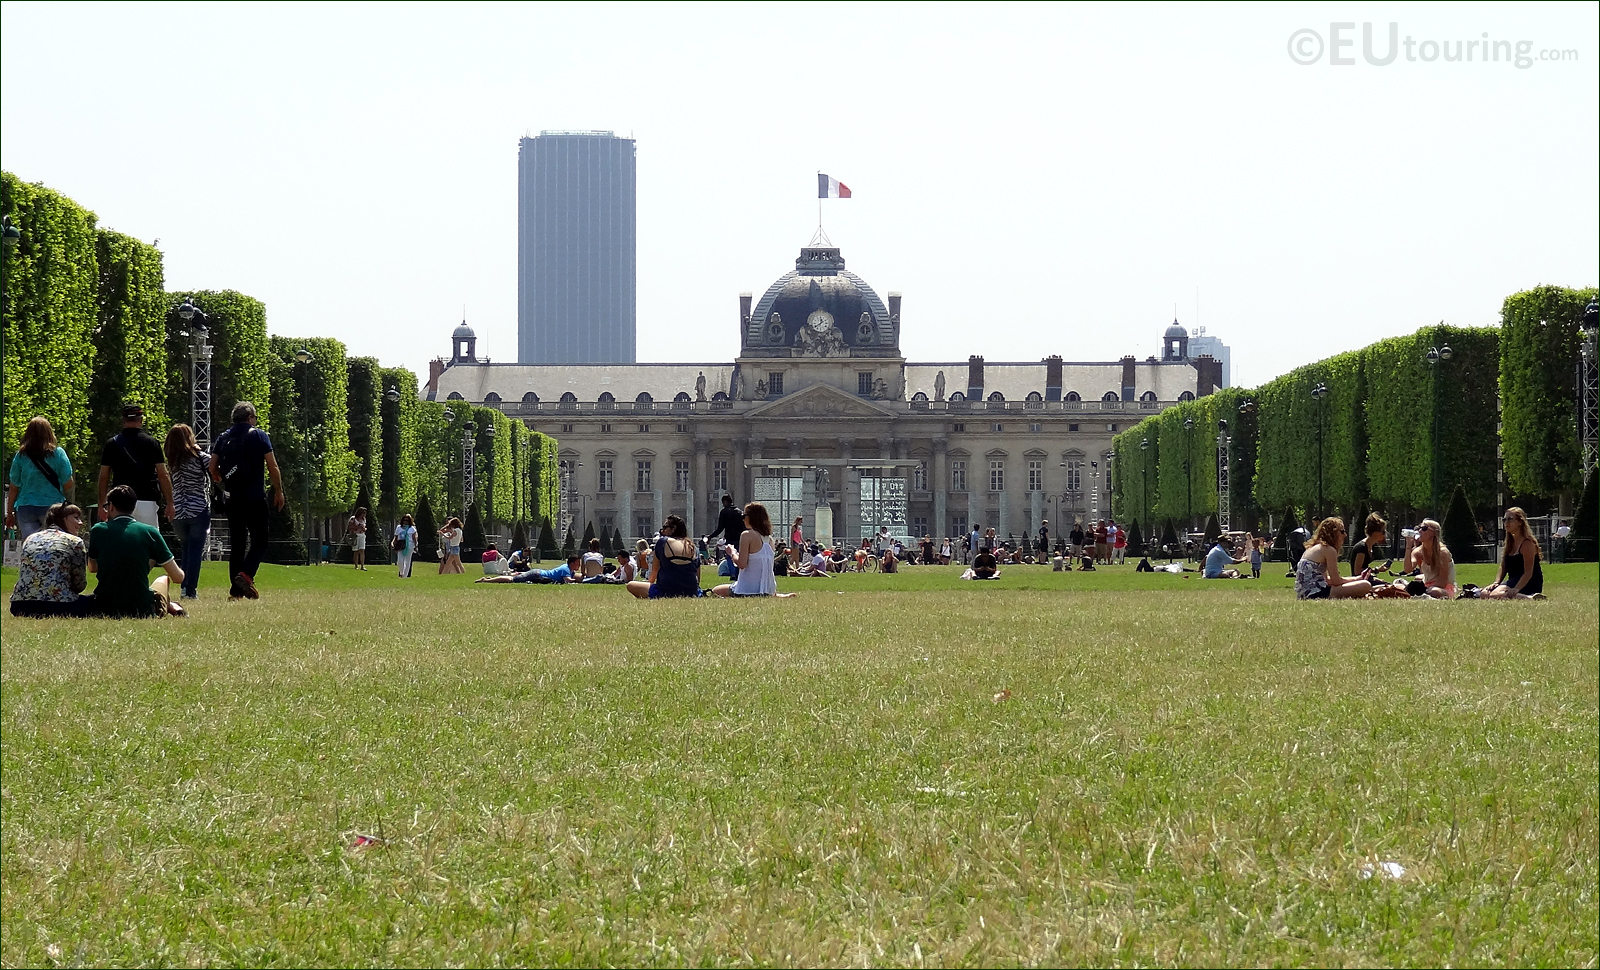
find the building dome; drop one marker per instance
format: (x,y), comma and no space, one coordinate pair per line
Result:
(1175,331)
(463,332)
(820,310)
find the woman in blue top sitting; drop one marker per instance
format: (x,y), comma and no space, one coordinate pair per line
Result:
(40,477)
(674,565)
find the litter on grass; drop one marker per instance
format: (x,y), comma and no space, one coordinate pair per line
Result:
(1390,870)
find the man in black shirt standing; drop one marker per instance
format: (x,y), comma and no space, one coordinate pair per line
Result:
(134,459)
(730,525)
(241,454)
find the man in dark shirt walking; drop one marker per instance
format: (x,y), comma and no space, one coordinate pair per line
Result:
(237,460)
(134,459)
(730,525)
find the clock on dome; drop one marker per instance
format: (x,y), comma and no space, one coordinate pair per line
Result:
(820,320)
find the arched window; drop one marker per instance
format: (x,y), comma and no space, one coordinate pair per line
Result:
(569,401)
(1073,396)
(997,396)
(719,396)
(919,397)
(1110,396)
(455,396)
(1186,396)
(1034,397)
(530,398)
(956,397)
(1148,397)
(644,398)
(680,401)
(607,402)
(491,398)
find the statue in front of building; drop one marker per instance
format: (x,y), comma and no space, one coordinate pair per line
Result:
(700,387)
(938,386)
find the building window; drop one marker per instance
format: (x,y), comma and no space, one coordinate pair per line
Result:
(958,476)
(683,429)
(919,526)
(566,429)
(958,528)
(1074,474)
(997,475)
(919,478)
(644,429)
(774,383)
(605,429)
(680,476)
(607,521)
(608,476)
(1111,428)
(643,527)
(864,383)
(958,426)
(719,476)
(1035,475)
(1072,427)
(641,475)
(997,427)
(1035,427)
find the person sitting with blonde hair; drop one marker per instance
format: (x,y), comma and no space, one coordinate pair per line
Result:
(1426,551)
(1317,577)
(1520,574)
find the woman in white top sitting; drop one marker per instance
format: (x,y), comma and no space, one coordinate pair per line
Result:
(753,557)
(1426,551)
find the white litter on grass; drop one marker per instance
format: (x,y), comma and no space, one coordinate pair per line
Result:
(948,792)
(1392,870)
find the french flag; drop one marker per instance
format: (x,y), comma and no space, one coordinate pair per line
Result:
(829,187)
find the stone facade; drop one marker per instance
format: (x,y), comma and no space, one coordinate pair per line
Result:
(821,417)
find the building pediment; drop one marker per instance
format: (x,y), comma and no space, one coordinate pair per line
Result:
(821,401)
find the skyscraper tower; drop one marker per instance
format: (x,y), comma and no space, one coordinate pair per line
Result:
(577,253)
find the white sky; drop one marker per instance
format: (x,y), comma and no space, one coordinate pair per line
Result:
(1035,179)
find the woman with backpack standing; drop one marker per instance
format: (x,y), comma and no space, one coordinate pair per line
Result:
(405,544)
(40,477)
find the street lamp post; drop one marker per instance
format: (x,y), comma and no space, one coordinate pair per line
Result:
(1318,394)
(1188,476)
(305,359)
(199,370)
(488,503)
(1144,449)
(1435,356)
(449,416)
(1588,385)
(392,397)
(1224,490)
(469,468)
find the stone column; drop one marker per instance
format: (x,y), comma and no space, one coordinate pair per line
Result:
(736,478)
(753,447)
(655,503)
(849,498)
(797,447)
(699,480)
(941,485)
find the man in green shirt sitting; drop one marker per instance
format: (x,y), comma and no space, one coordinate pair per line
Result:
(121,553)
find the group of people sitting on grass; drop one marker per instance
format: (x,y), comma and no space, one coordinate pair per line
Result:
(670,565)
(56,565)
(1428,568)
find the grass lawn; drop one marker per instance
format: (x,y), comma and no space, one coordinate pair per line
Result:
(357,770)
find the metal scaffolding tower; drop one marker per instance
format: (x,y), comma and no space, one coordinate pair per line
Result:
(1588,397)
(1224,496)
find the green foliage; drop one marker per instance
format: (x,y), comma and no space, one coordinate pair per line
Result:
(50,284)
(400,469)
(496,470)
(1582,544)
(1213,529)
(519,536)
(311,430)
(241,360)
(362,396)
(1136,540)
(1539,330)
(569,545)
(427,531)
(1300,437)
(473,541)
(130,337)
(1460,531)
(547,539)
(544,477)
(588,534)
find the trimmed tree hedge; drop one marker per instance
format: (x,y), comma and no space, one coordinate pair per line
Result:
(130,338)
(1539,434)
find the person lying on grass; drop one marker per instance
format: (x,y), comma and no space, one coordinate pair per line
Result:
(560,574)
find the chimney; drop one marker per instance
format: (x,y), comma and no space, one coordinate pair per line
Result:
(744,309)
(1128,382)
(975,378)
(894,309)
(1052,377)
(1208,375)
(435,371)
